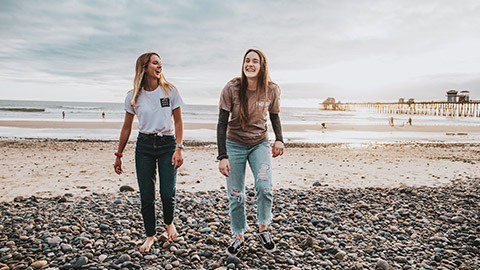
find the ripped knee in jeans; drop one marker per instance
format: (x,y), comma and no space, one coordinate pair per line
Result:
(263,172)
(235,193)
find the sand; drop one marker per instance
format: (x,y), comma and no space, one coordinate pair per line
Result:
(47,168)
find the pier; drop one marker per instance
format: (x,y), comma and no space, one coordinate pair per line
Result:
(436,108)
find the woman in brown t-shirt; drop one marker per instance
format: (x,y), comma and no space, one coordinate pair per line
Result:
(242,136)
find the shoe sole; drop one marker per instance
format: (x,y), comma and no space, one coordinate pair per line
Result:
(231,254)
(269,250)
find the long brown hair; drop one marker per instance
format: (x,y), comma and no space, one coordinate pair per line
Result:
(263,82)
(139,80)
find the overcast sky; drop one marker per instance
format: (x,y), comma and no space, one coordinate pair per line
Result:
(372,50)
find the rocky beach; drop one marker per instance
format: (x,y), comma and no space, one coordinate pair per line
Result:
(336,206)
(318,228)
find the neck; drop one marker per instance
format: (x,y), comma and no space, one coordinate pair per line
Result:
(150,84)
(252,84)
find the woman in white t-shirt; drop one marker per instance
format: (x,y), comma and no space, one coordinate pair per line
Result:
(157,104)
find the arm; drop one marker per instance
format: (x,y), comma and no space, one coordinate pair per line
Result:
(177,158)
(224,166)
(124,136)
(278,147)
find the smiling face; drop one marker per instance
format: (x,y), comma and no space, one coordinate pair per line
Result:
(251,65)
(154,67)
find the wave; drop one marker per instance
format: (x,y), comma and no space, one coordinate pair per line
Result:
(22,109)
(80,108)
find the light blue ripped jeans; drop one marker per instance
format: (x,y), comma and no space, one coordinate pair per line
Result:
(260,159)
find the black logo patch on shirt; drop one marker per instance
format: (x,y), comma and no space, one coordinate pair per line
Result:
(165,102)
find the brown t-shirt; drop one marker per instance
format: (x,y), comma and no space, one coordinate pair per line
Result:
(256,127)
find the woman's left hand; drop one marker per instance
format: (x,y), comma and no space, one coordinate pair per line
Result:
(177,159)
(277,149)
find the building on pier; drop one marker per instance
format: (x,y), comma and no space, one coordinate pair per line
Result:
(452,95)
(464,96)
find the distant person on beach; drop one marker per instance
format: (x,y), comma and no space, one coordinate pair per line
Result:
(390,121)
(63,114)
(409,121)
(242,136)
(103,115)
(155,101)
(324,126)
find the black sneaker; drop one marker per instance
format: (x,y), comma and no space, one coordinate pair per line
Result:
(267,241)
(235,247)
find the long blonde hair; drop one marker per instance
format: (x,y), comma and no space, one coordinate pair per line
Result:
(139,80)
(263,83)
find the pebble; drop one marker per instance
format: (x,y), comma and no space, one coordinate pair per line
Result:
(382,265)
(408,227)
(102,258)
(39,264)
(126,188)
(81,261)
(66,247)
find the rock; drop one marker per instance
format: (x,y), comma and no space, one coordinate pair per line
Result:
(66,247)
(458,219)
(181,251)
(476,242)
(123,258)
(317,184)
(234,260)
(53,241)
(163,238)
(126,188)
(150,257)
(340,255)
(64,229)
(81,261)
(382,265)
(102,258)
(205,230)
(39,264)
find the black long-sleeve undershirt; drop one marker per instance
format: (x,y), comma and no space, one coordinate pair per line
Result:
(222,124)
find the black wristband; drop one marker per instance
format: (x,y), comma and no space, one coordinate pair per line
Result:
(220,157)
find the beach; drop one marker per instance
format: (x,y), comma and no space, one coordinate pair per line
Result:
(353,195)
(336,206)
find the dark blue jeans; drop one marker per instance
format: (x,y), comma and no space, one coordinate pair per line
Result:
(152,151)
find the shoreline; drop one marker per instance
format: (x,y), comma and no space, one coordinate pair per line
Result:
(212,126)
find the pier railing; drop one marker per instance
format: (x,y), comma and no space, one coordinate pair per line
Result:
(437,108)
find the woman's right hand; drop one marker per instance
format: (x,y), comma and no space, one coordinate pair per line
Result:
(224,167)
(117,166)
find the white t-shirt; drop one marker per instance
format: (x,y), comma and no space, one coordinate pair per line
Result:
(154,111)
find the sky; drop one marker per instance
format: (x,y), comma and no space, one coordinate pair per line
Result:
(354,51)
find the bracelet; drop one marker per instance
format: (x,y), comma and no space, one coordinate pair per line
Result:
(220,157)
(118,154)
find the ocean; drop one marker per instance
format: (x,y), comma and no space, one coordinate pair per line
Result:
(19,110)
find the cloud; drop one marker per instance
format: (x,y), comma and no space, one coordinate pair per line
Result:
(353,49)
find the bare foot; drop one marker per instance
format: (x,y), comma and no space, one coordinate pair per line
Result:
(147,244)
(171,232)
